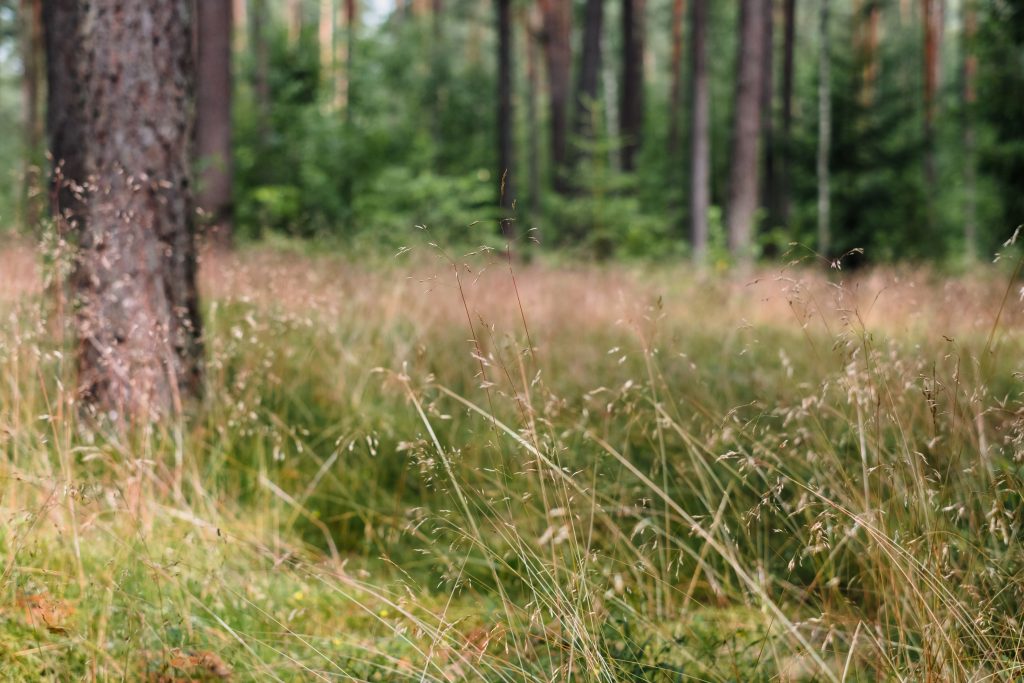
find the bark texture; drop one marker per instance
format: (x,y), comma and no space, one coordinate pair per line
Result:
(213,119)
(746,129)
(138,320)
(631,109)
(700,125)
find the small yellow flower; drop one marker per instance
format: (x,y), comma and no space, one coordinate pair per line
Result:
(298,596)
(384,614)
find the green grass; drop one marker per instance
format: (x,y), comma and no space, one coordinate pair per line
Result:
(597,473)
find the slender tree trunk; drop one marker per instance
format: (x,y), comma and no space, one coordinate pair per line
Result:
(700,146)
(294,19)
(138,316)
(588,78)
(932,18)
(870,23)
(970,97)
(676,87)
(768,188)
(824,132)
(558,52)
(531,27)
(240,17)
(213,119)
(746,129)
(261,69)
(631,108)
(32,55)
(789,41)
(506,119)
(328,64)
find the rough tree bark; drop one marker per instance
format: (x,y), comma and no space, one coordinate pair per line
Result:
(558,53)
(213,119)
(506,119)
(746,128)
(138,318)
(589,76)
(700,123)
(824,132)
(631,107)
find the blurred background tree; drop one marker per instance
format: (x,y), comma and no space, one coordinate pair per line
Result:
(353,121)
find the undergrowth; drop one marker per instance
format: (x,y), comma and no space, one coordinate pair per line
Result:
(461,470)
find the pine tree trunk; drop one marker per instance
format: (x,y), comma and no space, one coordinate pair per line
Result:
(970,97)
(768,189)
(589,76)
(32,55)
(213,119)
(325,38)
(138,318)
(824,133)
(676,87)
(558,53)
(531,24)
(631,108)
(789,40)
(261,67)
(932,18)
(65,110)
(743,173)
(700,122)
(506,119)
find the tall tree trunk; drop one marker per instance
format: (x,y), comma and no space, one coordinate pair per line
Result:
(138,319)
(824,132)
(869,24)
(328,64)
(588,78)
(788,43)
(506,118)
(970,97)
(631,109)
(32,55)
(294,19)
(213,119)
(261,70)
(676,87)
(768,189)
(700,125)
(558,53)
(746,129)
(65,110)
(932,18)
(531,28)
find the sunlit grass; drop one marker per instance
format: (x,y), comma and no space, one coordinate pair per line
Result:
(529,473)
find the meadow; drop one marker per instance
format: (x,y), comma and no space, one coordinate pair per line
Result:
(459,467)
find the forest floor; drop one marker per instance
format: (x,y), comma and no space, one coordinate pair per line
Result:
(442,469)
